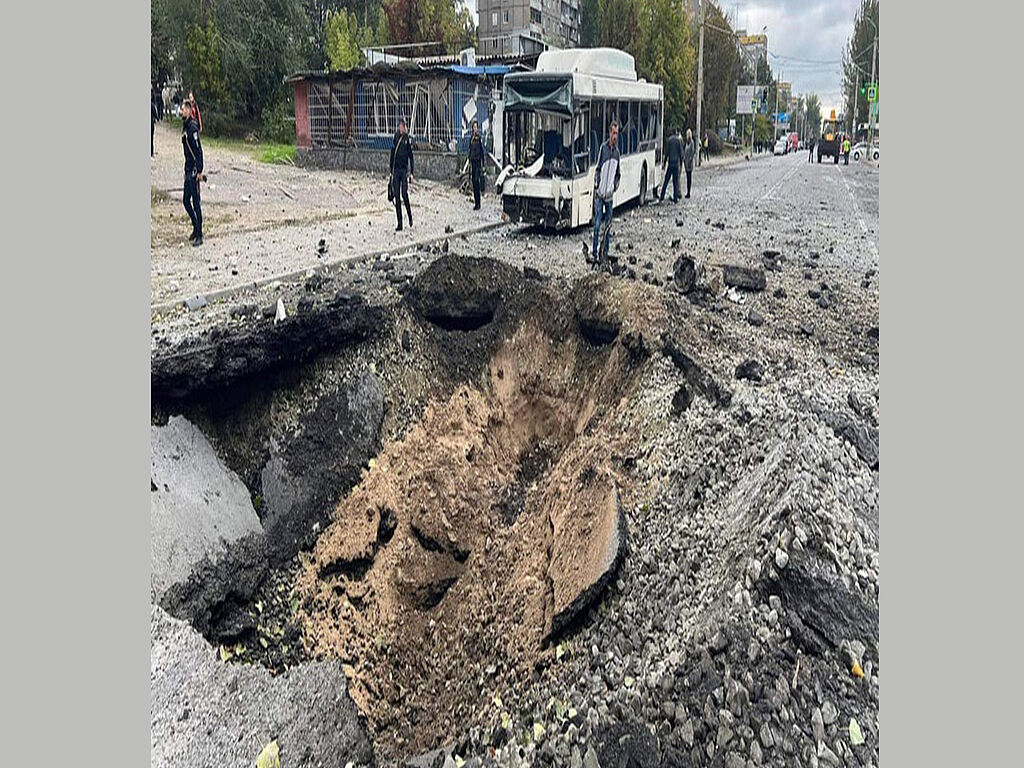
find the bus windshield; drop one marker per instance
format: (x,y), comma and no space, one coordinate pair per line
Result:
(546,144)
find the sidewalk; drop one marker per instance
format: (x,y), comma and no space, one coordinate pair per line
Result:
(262,222)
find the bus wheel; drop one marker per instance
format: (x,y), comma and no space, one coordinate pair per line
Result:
(643,184)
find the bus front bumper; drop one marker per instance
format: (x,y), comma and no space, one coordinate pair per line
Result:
(538,211)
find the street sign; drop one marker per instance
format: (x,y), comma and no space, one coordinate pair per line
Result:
(872,93)
(746,102)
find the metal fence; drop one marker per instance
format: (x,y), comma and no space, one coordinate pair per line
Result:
(363,112)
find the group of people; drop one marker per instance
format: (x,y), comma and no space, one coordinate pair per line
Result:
(401,166)
(607,172)
(677,152)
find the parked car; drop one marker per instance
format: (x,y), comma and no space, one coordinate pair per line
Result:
(860,149)
(781,146)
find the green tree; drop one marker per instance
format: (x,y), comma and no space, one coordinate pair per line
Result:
(762,129)
(447,22)
(812,108)
(342,35)
(203,46)
(857,63)
(664,53)
(722,68)
(590,23)
(619,25)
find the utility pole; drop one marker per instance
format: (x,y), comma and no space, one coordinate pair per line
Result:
(872,104)
(856,93)
(775,131)
(700,79)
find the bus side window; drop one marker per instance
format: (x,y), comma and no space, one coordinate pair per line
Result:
(634,126)
(596,121)
(624,126)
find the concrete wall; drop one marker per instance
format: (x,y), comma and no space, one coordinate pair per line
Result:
(429,165)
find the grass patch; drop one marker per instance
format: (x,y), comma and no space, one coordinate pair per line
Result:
(157,196)
(264,152)
(277,153)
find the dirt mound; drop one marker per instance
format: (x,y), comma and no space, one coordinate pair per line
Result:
(483,533)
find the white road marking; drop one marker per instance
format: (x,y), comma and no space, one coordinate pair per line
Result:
(860,220)
(780,182)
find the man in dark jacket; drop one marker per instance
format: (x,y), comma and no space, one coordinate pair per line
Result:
(810,152)
(606,182)
(689,150)
(476,163)
(673,156)
(402,167)
(193,172)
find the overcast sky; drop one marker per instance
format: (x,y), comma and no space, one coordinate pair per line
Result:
(817,30)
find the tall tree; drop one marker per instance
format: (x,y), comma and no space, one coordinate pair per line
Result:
(722,67)
(590,23)
(812,108)
(447,22)
(664,54)
(857,63)
(619,23)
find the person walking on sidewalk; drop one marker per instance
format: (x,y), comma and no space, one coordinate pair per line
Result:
(689,150)
(606,182)
(810,153)
(673,156)
(402,167)
(846,150)
(193,150)
(476,163)
(704,149)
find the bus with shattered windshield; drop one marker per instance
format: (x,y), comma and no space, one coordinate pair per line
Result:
(555,119)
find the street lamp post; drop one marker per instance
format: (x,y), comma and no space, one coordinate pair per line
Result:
(871,104)
(700,79)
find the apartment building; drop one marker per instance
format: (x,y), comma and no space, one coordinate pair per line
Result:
(518,27)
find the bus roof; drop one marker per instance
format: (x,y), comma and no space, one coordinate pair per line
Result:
(603,73)
(598,62)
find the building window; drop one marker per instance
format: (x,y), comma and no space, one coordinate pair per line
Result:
(494,18)
(535,16)
(504,16)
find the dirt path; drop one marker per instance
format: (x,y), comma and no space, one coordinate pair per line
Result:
(261,220)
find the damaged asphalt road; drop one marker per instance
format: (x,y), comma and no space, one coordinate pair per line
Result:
(740,626)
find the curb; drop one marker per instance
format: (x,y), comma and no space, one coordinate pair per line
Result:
(326,268)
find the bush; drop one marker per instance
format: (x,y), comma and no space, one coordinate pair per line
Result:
(278,123)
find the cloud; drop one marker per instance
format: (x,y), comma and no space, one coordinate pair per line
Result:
(806,39)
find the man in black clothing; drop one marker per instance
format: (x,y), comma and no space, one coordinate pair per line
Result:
(402,167)
(476,163)
(193,172)
(810,153)
(673,156)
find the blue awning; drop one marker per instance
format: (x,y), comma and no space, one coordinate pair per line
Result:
(493,69)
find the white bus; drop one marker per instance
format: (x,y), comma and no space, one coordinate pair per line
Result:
(555,120)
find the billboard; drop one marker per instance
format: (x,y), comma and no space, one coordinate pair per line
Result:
(746,95)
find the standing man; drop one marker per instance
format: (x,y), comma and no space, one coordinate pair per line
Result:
(688,152)
(402,167)
(476,164)
(673,155)
(704,149)
(152,122)
(810,153)
(606,182)
(846,150)
(193,172)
